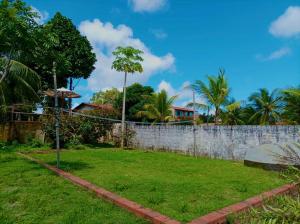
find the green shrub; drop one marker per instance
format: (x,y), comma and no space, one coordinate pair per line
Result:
(284,210)
(3,146)
(280,210)
(78,129)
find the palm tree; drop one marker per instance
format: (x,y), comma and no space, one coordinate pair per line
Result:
(18,83)
(291,98)
(160,108)
(267,106)
(232,114)
(215,93)
(128,61)
(293,91)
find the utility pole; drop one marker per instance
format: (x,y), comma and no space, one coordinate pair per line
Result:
(56,117)
(194,123)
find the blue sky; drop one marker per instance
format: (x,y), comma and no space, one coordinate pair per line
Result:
(257,42)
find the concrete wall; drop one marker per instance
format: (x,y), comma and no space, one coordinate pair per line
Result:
(20,131)
(227,142)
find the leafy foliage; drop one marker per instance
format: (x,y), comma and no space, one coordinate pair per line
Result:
(127,60)
(232,115)
(136,97)
(267,106)
(159,108)
(215,93)
(79,129)
(291,98)
(283,209)
(18,83)
(106,97)
(17,28)
(60,41)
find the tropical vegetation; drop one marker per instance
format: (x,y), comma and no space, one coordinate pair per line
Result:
(159,109)
(267,106)
(106,97)
(128,60)
(216,92)
(28,51)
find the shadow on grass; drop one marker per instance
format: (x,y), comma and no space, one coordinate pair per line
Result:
(101,145)
(72,166)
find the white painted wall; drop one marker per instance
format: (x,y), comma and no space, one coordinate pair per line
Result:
(226,142)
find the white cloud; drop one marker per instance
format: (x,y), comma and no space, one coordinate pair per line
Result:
(105,38)
(43,15)
(288,24)
(159,33)
(147,5)
(282,52)
(163,85)
(184,94)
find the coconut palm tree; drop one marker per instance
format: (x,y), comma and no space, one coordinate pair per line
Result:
(232,114)
(291,98)
(293,91)
(160,108)
(267,106)
(215,93)
(18,83)
(128,61)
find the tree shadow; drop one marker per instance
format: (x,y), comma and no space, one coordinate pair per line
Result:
(72,166)
(101,145)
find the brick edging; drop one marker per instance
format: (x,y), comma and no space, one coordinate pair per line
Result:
(131,206)
(220,216)
(216,217)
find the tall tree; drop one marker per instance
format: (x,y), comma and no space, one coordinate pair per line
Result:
(137,96)
(160,107)
(291,99)
(106,97)
(267,106)
(76,48)
(215,93)
(17,28)
(232,114)
(128,61)
(18,83)
(60,41)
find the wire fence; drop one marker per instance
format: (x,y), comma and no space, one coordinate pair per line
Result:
(27,112)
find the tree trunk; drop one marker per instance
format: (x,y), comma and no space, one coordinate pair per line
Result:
(70,99)
(6,69)
(217,115)
(123,112)
(56,117)
(207,118)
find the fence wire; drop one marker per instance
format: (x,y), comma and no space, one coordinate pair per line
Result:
(21,112)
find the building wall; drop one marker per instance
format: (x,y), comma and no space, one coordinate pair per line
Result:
(226,142)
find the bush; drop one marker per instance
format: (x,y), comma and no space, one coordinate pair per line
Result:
(284,209)
(78,129)
(3,146)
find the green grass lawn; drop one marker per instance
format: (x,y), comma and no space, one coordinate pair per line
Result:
(178,186)
(30,194)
